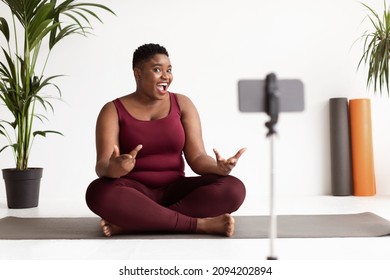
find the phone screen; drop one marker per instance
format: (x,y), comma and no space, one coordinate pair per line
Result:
(252,95)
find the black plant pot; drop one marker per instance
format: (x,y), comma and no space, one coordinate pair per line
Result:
(22,187)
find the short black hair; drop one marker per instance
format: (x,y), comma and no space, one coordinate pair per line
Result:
(146,52)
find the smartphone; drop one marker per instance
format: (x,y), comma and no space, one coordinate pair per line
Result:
(252,95)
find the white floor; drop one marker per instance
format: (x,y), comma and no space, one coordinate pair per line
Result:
(222,249)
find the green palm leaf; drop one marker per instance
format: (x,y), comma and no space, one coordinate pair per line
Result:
(22,89)
(4,28)
(376,50)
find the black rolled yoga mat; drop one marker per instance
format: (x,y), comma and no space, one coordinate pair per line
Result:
(340,147)
(246,227)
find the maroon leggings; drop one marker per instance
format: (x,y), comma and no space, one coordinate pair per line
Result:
(174,208)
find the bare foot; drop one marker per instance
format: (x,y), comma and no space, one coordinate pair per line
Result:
(222,225)
(109,229)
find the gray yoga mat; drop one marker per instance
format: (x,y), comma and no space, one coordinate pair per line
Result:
(340,147)
(247,227)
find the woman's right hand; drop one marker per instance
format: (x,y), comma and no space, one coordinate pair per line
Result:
(121,164)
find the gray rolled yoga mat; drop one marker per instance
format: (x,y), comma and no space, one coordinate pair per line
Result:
(340,147)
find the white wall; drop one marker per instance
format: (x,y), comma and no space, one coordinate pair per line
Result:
(213,44)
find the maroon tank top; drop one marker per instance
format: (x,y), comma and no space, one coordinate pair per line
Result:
(160,161)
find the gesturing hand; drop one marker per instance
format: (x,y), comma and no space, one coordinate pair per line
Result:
(225,166)
(123,164)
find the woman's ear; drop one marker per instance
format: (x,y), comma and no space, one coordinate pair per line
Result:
(137,74)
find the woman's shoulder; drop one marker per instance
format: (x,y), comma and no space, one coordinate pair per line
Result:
(183,100)
(179,96)
(186,105)
(109,110)
(110,106)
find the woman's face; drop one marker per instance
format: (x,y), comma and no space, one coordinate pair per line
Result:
(154,76)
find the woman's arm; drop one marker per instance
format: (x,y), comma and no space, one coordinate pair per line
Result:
(194,150)
(109,161)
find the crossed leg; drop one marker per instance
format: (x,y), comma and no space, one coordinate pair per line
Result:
(191,205)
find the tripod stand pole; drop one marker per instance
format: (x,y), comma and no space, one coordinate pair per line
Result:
(273,217)
(267,96)
(272,109)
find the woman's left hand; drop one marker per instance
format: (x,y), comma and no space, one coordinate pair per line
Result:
(225,166)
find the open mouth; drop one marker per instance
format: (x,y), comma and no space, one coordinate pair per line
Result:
(162,86)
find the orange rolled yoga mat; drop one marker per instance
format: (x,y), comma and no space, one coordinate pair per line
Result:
(362,147)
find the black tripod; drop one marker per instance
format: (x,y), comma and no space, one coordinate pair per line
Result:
(272,110)
(271,96)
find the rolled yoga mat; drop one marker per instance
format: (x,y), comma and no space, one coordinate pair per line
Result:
(362,147)
(340,147)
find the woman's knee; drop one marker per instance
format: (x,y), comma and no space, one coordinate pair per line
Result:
(235,192)
(236,189)
(97,194)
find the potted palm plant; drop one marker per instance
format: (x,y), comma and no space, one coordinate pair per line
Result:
(376,52)
(34,28)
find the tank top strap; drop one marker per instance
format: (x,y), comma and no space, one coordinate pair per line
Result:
(122,111)
(175,107)
(120,108)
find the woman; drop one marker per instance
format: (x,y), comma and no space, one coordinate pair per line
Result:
(140,142)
